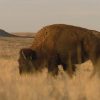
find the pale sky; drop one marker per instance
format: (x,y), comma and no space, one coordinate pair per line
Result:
(31,15)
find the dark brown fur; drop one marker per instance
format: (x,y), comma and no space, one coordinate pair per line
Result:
(60,44)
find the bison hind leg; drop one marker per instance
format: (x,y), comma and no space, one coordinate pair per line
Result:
(71,70)
(53,70)
(96,69)
(53,66)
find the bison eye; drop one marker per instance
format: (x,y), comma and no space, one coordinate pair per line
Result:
(30,58)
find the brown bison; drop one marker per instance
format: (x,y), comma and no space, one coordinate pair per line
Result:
(60,44)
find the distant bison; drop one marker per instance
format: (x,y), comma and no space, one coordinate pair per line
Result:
(60,44)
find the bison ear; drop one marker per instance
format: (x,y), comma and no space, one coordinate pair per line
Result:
(28,54)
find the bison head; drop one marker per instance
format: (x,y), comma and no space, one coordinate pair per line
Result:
(28,61)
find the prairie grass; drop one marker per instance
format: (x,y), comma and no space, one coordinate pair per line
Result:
(41,86)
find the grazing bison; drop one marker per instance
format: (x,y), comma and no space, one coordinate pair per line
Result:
(60,44)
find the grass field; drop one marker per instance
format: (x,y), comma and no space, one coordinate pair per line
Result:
(41,86)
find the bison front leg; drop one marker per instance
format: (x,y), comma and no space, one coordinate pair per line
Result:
(53,66)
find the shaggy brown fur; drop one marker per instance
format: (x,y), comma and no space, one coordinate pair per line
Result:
(60,44)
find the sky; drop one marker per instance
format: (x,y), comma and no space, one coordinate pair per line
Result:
(32,15)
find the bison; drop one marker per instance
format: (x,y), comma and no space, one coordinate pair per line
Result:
(60,44)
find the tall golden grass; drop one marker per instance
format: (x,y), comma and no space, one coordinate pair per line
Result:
(41,86)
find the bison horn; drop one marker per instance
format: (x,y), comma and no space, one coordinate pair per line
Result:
(24,55)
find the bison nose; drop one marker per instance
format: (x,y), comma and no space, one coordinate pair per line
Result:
(19,60)
(20,70)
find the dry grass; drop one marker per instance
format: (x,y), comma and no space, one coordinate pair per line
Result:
(41,86)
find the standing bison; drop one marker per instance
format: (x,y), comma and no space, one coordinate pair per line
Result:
(60,44)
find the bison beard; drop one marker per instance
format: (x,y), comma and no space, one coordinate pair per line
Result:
(60,44)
